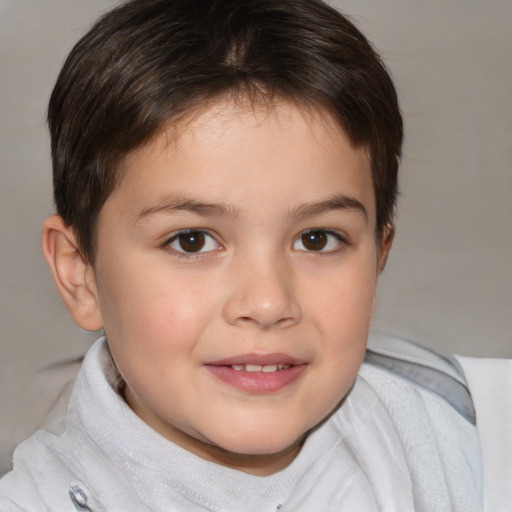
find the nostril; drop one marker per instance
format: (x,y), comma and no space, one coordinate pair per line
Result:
(285,322)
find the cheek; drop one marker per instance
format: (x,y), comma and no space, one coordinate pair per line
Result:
(152,310)
(174,321)
(153,328)
(343,298)
(341,308)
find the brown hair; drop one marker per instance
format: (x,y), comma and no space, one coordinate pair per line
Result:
(150,62)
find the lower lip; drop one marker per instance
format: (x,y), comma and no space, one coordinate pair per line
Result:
(257,382)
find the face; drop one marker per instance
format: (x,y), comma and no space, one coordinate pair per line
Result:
(235,276)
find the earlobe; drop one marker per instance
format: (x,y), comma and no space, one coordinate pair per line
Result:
(73,276)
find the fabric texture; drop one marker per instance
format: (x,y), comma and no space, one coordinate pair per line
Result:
(391,446)
(490,383)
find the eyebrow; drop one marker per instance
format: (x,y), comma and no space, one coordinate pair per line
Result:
(336,202)
(172,205)
(175,204)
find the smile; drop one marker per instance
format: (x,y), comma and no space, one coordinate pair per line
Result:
(258,373)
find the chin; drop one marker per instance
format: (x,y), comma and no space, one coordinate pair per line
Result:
(272,442)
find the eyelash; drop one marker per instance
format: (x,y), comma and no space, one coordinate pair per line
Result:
(340,241)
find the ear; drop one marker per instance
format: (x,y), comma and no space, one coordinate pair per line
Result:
(385,246)
(73,276)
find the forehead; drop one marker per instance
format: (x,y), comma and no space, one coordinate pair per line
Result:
(239,152)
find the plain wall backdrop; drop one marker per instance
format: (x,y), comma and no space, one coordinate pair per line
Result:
(449,277)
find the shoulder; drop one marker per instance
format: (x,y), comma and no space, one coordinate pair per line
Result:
(35,482)
(425,393)
(424,368)
(47,465)
(419,404)
(71,461)
(459,395)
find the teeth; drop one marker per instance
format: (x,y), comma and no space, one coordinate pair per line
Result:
(253,368)
(269,368)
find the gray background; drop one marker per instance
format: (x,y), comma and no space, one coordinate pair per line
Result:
(449,278)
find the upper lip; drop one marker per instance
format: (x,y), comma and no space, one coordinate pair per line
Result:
(259,359)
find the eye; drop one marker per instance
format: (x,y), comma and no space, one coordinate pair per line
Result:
(318,240)
(192,241)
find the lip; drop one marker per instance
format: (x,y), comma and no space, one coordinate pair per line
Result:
(257,382)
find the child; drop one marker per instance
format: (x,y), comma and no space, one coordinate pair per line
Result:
(225,174)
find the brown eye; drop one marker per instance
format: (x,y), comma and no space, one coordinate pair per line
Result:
(314,240)
(319,240)
(193,241)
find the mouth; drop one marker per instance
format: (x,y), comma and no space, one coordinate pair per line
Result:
(258,373)
(268,368)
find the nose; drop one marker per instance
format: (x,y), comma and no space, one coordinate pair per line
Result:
(263,294)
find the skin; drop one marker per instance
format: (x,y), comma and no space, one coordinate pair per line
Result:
(253,181)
